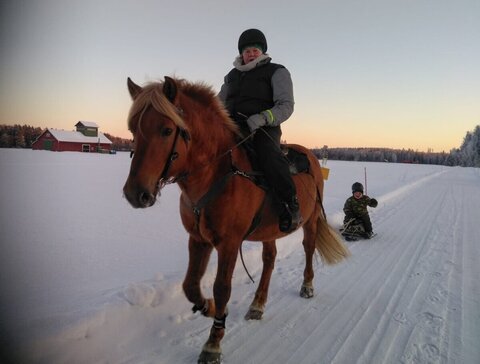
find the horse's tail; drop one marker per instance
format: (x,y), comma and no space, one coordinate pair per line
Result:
(328,243)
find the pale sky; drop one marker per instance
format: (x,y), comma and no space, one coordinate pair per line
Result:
(371,73)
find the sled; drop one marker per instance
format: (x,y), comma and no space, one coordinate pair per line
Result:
(353,230)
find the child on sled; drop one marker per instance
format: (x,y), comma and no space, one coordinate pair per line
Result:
(356,212)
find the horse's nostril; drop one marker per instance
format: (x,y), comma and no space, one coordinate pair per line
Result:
(146,199)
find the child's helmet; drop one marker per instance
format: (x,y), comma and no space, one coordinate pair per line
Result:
(357,187)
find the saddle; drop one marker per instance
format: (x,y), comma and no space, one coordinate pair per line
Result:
(298,163)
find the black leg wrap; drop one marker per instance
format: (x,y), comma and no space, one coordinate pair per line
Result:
(219,323)
(203,310)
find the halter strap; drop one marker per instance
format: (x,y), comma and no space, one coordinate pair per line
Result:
(172,156)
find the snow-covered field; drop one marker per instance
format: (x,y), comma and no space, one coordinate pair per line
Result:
(85,278)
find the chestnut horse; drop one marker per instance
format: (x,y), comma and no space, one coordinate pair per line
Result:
(183,134)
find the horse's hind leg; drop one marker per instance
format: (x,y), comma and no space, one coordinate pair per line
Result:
(199,255)
(257,307)
(309,233)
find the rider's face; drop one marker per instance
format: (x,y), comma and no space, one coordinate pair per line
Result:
(250,54)
(357,194)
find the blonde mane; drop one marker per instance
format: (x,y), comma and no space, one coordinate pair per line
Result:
(152,94)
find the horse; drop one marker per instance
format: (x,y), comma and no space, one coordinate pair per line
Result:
(183,134)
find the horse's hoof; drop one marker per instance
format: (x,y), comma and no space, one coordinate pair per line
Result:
(207,357)
(254,314)
(306,292)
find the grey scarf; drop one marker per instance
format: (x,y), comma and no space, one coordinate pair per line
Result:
(238,63)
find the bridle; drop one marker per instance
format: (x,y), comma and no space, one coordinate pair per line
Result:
(179,132)
(164,179)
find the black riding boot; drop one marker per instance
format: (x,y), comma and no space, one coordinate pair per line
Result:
(290,218)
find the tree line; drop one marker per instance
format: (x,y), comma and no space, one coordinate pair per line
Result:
(382,155)
(467,155)
(120,144)
(18,136)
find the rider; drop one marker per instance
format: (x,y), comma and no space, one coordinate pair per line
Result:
(356,208)
(258,94)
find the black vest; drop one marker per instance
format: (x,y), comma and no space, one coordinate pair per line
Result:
(250,92)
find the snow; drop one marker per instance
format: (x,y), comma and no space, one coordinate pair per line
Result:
(85,278)
(78,137)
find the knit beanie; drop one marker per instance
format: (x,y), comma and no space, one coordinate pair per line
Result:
(357,187)
(252,37)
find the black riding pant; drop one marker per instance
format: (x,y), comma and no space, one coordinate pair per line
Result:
(273,163)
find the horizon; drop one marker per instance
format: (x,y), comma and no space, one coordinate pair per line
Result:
(430,150)
(397,74)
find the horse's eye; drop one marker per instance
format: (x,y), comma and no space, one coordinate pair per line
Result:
(166,131)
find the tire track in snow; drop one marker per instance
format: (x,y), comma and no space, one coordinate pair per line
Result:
(468,284)
(438,335)
(414,310)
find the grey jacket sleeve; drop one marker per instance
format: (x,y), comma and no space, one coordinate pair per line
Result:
(282,98)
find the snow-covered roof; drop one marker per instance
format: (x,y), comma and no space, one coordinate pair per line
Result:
(77,137)
(88,124)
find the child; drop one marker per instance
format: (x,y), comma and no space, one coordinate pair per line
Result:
(356,208)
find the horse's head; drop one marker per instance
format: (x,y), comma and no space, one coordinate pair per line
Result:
(161,140)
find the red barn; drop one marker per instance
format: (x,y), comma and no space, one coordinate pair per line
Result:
(86,138)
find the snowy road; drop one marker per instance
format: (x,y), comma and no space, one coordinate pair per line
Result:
(410,295)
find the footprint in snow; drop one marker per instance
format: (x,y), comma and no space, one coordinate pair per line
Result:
(400,317)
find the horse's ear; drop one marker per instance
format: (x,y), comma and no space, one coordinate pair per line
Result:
(133,88)
(170,89)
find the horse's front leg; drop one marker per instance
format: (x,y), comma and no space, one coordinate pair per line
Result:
(199,255)
(227,257)
(255,312)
